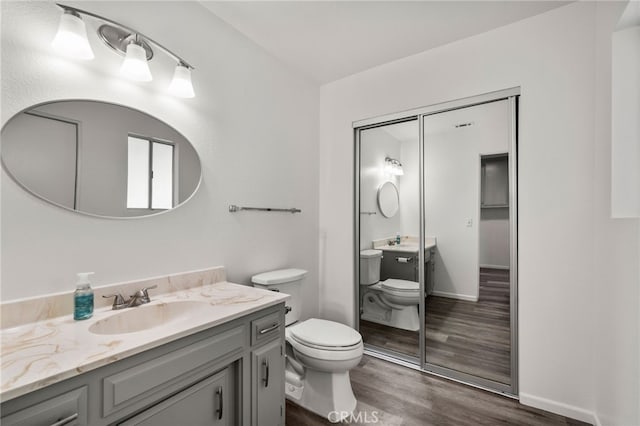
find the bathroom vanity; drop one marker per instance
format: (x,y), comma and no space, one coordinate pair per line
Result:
(400,261)
(215,356)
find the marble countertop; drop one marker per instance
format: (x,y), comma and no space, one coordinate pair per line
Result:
(407,244)
(41,353)
(405,247)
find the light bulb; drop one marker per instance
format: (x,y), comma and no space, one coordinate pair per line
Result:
(71,38)
(181,84)
(135,66)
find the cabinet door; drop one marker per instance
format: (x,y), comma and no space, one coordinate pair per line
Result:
(206,403)
(268,384)
(399,265)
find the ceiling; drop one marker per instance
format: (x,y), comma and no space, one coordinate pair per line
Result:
(329,40)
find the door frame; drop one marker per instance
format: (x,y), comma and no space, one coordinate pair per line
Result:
(512,96)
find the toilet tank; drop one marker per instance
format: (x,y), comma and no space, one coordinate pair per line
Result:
(287,281)
(370,266)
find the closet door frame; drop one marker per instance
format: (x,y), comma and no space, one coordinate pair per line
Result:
(512,95)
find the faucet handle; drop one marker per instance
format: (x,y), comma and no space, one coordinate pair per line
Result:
(143,294)
(118,302)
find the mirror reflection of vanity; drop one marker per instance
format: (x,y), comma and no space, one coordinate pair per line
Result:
(400,261)
(99,158)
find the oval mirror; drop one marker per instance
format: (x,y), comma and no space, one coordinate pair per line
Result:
(99,158)
(388,199)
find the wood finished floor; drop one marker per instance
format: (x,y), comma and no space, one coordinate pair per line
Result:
(400,396)
(472,337)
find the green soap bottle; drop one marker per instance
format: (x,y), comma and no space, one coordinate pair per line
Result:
(83,297)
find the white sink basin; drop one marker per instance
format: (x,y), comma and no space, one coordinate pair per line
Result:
(145,317)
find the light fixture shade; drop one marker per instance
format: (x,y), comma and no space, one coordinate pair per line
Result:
(135,66)
(71,38)
(181,84)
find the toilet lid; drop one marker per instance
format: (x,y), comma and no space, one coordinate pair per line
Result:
(366,254)
(400,285)
(323,333)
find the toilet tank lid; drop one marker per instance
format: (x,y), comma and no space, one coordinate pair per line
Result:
(370,253)
(279,277)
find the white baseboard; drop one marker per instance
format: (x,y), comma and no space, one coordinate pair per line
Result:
(566,410)
(454,296)
(506,268)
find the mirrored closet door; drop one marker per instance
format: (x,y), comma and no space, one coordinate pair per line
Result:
(436,239)
(389,295)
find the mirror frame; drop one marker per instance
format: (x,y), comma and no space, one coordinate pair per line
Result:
(381,188)
(53,203)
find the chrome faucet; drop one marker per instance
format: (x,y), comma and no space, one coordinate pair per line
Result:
(140,297)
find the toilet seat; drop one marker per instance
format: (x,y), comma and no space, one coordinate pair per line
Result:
(325,340)
(400,285)
(400,288)
(323,334)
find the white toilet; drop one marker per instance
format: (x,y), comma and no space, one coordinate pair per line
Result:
(391,302)
(320,353)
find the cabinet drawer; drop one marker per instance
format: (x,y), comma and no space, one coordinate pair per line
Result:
(133,384)
(267,327)
(68,409)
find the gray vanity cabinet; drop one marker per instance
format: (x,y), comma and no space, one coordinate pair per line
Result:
(267,366)
(206,403)
(268,384)
(231,374)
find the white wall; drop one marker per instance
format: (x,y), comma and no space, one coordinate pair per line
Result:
(553,59)
(376,144)
(616,261)
(253,123)
(494,238)
(410,195)
(452,190)
(625,164)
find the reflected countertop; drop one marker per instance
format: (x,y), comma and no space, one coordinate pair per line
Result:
(407,244)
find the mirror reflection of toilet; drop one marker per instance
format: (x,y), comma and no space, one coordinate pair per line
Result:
(319,353)
(391,302)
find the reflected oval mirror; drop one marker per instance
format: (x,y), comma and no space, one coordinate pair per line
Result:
(388,199)
(99,158)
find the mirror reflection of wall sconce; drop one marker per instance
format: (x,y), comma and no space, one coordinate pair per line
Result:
(393,167)
(71,40)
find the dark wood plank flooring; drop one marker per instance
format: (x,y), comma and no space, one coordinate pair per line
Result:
(471,337)
(399,396)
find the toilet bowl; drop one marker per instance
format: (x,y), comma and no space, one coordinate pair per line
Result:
(391,302)
(319,353)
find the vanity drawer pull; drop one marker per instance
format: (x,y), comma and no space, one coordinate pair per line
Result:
(221,402)
(66,420)
(265,379)
(269,329)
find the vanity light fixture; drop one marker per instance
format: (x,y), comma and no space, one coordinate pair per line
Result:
(71,40)
(181,84)
(393,166)
(135,66)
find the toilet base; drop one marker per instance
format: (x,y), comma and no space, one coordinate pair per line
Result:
(404,319)
(327,394)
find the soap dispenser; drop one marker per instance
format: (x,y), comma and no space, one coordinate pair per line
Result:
(83,297)
(398,238)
